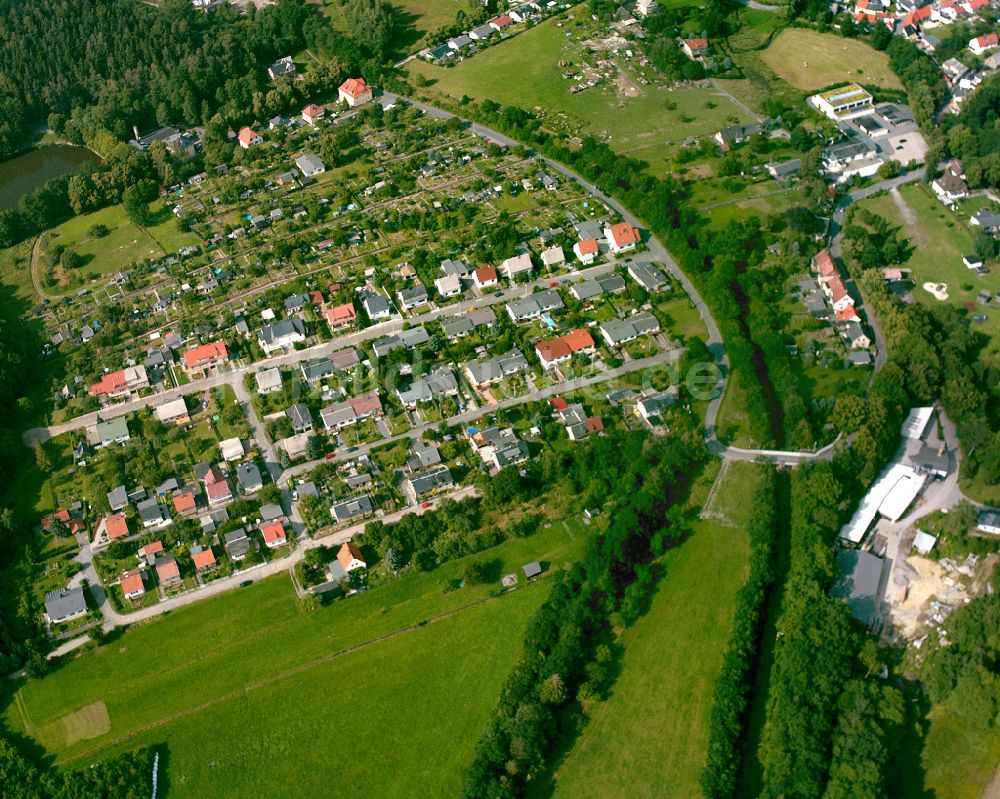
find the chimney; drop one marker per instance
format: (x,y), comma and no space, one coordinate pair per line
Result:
(135,130)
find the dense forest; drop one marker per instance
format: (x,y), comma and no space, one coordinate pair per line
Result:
(88,65)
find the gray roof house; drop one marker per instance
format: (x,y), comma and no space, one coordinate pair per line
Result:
(300,417)
(413,296)
(483,373)
(310,164)
(281,334)
(65,604)
(316,369)
(457,327)
(620,331)
(439,383)
(647,275)
(112,431)
(535,305)
(376,306)
(420,485)
(248,476)
(349,508)
(118,498)
(237,544)
(152,513)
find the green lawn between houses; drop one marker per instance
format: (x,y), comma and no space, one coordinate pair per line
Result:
(650,737)
(940,237)
(250,693)
(525,72)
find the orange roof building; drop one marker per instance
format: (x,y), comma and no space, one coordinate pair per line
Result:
(274,534)
(354,92)
(248,137)
(204,559)
(131,584)
(312,113)
(622,236)
(340,315)
(115,526)
(206,355)
(561,349)
(184,502)
(349,557)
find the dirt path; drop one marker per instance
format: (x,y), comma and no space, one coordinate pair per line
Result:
(992,790)
(35,256)
(905,212)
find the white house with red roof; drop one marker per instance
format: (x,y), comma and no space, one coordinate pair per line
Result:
(131,584)
(557,350)
(485,277)
(167,570)
(274,534)
(217,487)
(695,49)
(313,113)
(112,526)
(340,315)
(984,43)
(349,557)
(622,237)
(248,137)
(354,92)
(501,22)
(586,251)
(203,558)
(120,383)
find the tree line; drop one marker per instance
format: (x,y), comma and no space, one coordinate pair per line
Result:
(568,655)
(731,696)
(127,776)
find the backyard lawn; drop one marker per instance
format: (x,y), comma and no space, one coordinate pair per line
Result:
(369,673)
(638,120)
(650,737)
(940,238)
(812,61)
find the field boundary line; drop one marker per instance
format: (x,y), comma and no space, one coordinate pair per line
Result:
(254,686)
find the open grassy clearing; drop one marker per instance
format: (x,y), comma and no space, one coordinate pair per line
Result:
(414,20)
(247,637)
(635,119)
(123,244)
(649,738)
(811,61)
(956,760)
(389,706)
(940,238)
(15,273)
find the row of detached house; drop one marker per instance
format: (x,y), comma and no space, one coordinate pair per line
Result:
(470,41)
(843,313)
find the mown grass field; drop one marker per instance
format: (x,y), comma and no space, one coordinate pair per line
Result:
(940,238)
(650,737)
(810,61)
(414,20)
(248,692)
(525,72)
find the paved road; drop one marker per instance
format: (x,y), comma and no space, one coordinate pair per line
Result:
(235,377)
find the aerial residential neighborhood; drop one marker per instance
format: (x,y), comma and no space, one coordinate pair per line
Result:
(601,398)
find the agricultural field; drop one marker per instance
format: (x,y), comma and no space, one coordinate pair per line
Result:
(940,238)
(811,61)
(649,738)
(634,112)
(407,686)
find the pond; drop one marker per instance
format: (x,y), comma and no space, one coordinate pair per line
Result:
(24,173)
